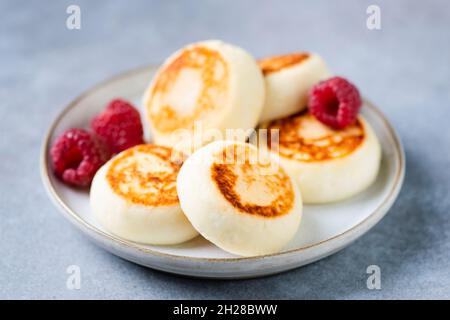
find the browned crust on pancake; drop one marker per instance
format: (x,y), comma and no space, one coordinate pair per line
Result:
(225,178)
(161,185)
(277,63)
(203,59)
(291,145)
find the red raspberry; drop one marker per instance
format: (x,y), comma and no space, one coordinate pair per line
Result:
(335,102)
(77,155)
(119,125)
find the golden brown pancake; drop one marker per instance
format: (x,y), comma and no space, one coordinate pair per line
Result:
(244,204)
(277,63)
(213,71)
(146,175)
(288,79)
(134,196)
(201,91)
(272,192)
(328,165)
(304,138)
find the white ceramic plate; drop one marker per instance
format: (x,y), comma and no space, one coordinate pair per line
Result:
(324,230)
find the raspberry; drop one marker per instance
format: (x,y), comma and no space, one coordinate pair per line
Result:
(119,125)
(335,102)
(77,155)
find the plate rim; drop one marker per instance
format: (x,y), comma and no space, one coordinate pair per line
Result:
(84,225)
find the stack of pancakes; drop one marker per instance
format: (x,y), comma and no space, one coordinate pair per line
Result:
(244,199)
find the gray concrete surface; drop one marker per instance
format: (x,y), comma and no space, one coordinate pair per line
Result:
(404,68)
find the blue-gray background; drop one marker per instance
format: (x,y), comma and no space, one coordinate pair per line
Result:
(404,68)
